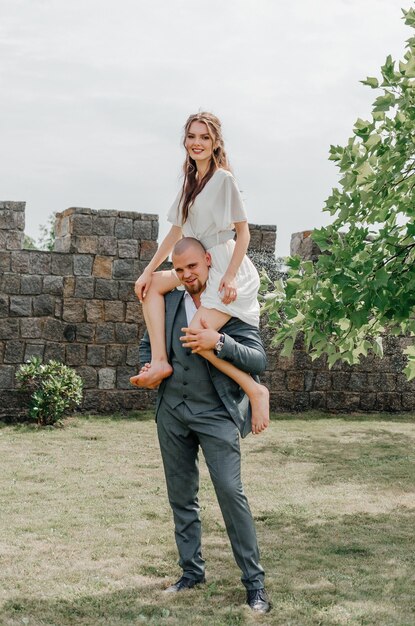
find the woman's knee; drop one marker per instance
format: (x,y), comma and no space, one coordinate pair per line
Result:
(162,283)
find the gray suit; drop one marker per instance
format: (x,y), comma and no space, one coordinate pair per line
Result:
(200,406)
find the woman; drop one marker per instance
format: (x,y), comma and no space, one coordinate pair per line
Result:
(208,206)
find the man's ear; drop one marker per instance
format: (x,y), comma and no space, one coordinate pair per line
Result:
(208,259)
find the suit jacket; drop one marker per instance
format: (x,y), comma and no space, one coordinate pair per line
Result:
(243,347)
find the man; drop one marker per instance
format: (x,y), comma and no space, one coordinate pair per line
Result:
(199,406)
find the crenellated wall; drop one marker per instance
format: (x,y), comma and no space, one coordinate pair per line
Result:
(77,303)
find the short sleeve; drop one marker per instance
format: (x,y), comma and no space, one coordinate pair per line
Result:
(231,205)
(173,216)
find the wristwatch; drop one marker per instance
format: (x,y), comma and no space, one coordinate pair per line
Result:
(219,344)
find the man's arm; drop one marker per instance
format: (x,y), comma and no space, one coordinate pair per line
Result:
(242,346)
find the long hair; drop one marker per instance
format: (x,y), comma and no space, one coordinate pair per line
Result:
(192,186)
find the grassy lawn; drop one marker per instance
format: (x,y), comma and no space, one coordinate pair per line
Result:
(86,531)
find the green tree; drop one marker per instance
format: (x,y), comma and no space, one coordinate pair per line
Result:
(363,284)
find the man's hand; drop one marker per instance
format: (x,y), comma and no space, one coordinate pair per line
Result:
(200,339)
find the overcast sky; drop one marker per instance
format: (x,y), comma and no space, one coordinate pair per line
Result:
(94,95)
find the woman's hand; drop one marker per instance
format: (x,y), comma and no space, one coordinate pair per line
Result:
(227,289)
(142,284)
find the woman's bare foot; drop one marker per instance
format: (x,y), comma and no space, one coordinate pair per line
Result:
(260,409)
(152,374)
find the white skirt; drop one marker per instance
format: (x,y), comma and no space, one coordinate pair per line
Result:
(246,306)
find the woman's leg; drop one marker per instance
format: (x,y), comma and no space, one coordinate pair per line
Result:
(258,394)
(153,311)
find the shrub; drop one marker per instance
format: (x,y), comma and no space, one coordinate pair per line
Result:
(55,388)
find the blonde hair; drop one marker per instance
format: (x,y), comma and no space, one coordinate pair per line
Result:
(192,186)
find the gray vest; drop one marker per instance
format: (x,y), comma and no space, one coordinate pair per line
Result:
(190,382)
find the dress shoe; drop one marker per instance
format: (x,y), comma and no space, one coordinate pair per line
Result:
(182,584)
(258,600)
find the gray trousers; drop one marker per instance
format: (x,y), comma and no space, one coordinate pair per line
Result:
(180,434)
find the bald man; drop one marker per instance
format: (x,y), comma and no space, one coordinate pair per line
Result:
(199,406)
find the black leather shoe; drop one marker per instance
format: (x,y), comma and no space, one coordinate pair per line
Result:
(258,600)
(182,584)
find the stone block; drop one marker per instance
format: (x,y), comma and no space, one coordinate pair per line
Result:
(53,285)
(19,262)
(282,401)
(106,289)
(301,401)
(86,244)
(390,402)
(342,401)
(11,219)
(39,263)
(64,244)
(123,377)
(84,287)
(126,291)
(4,306)
(82,225)
(94,311)
(68,286)
(322,381)
(105,333)
(318,400)
(133,356)
(268,241)
(10,283)
(7,377)
(43,305)
(54,352)
(102,267)
(82,264)
(20,306)
(14,351)
(61,264)
(102,225)
(295,381)
(30,285)
(358,381)
(5,261)
(15,240)
(408,401)
(147,250)
(154,230)
(75,354)
(108,212)
(9,329)
(69,332)
(106,378)
(53,330)
(134,313)
(114,311)
(89,376)
(85,333)
(128,249)
(368,401)
(73,310)
(340,381)
(143,230)
(96,356)
(255,241)
(116,355)
(58,308)
(123,228)
(34,349)
(124,269)
(381,381)
(31,328)
(107,246)
(126,333)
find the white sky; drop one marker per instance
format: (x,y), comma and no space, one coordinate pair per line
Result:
(94,95)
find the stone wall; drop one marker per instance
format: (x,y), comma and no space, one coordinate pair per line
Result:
(77,303)
(299,384)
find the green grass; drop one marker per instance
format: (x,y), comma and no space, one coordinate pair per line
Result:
(87,534)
